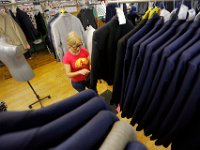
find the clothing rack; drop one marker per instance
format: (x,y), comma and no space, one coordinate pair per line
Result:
(131,1)
(38,1)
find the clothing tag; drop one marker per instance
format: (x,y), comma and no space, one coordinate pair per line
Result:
(192,14)
(121,16)
(182,15)
(165,14)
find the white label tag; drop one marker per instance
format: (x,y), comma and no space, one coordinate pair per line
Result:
(182,15)
(165,14)
(121,16)
(192,14)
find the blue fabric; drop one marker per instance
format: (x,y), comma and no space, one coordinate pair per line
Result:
(165,51)
(133,39)
(120,55)
(143,53)
(182,96)
(12,121)
(135,145)
(92,134)
(167,75)
(54,132)
(138,113)
(79,86)
(183,138)
(135,50)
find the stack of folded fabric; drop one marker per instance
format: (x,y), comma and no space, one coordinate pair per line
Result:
(81,122)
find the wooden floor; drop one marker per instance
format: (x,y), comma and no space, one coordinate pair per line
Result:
(50,79)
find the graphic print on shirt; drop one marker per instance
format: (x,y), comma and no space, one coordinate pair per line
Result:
(81,63)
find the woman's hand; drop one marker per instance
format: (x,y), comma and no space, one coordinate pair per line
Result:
(84,71)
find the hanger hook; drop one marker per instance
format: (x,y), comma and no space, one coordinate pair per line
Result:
(183,2)
(174,4)
(163,4)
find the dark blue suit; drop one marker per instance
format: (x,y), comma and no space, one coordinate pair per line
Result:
(143,74)
(186,86)
(128,56)
(12,121)
(135,50)
(92,134)
(188,121)
(166,50)
(151,47)
(120,55)
(163,54)
(166,79)
(54,132)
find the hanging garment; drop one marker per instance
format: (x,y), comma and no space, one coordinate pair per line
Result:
(11,29)
(88,38)
(165,53)
(17,65)
(188,121)
(145,54)
(136,47)
(91,134)
(153,45)
(166,102)
(120,135)
(182,66)
(134,38)
(181,101)
(180,31)
(13,121)
(186,86)
(59,130)
(167,74)
(41,26)
(87,18)
(64,24)
(50,43)
(120,55)
(26,25)
(104,50)
(187,36)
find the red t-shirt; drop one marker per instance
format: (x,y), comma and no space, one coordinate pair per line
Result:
(77,62)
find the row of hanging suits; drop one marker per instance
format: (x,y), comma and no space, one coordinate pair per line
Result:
(156,79)
(83,121)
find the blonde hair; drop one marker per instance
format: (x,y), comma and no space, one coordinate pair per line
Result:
(73,39)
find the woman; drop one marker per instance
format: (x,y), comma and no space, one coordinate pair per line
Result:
(76,61)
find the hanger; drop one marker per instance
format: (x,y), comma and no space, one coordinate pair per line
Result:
(191,12)
(155,10)
(165,13)
(62,10)
(182,14)
(146,15)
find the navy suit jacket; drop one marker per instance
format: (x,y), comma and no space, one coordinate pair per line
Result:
(188,36)
(130,103)
(165,80)
(13,121)
(120,55)
(92,134)
(128,56)
(54,132)
(173,115)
